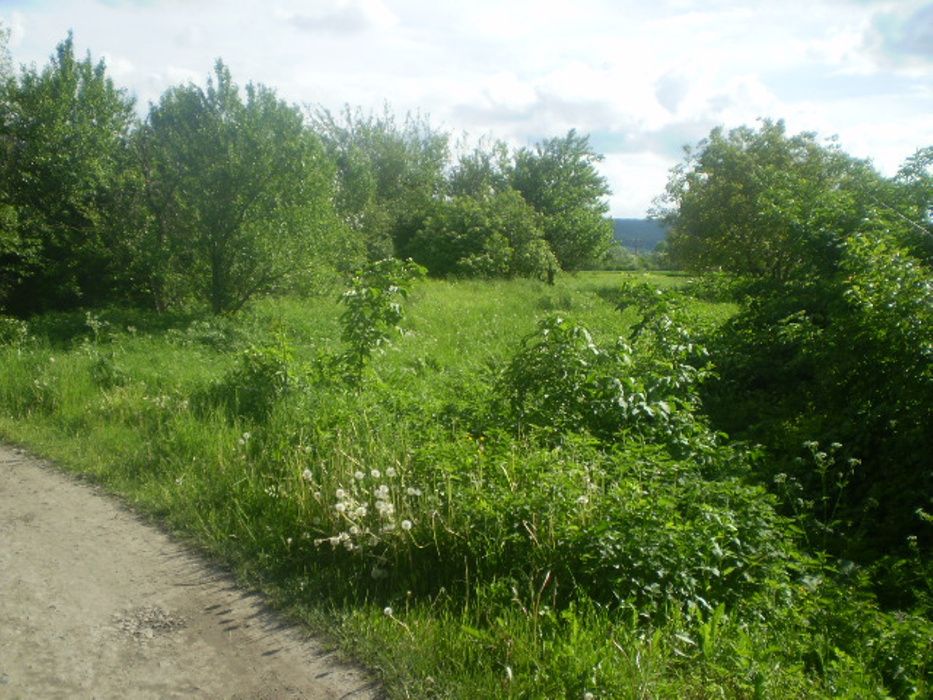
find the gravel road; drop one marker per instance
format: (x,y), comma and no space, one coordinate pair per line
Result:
(94,603)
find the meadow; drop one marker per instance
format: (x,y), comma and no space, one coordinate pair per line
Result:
(511,491)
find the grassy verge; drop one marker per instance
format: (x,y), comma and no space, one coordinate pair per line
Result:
(465,521)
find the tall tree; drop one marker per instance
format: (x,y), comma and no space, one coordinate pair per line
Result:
(240,193)
(493,236)
(64,132)
(559,178)
(766,204)
(390,173)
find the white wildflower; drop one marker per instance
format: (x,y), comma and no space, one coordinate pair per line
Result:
(411,491)
(375,473)
(341,507)
(406,525)
(583,500)
(340,493)
(387,611)
(359,476)
(307,475)
(391,473)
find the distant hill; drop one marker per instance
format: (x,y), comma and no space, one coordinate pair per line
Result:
(642,235)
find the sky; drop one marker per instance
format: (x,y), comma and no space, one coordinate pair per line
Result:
(643,79)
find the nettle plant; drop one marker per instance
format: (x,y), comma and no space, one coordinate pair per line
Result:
(372,309)
(562,380)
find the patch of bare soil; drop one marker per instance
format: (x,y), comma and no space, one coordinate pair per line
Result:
(94,603)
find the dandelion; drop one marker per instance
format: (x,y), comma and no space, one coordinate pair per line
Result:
(306,475)
(387,611)
(391,473)
(359,476)
(354,530)
(406,525)
(341,507)
(588,696)
(341,494)
(375,473)
(411,491)
(582,501)
(289,541)
(360,512)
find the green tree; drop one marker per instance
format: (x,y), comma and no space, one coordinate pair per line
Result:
(482,172)
(558,177)
(240,193)
(64,133)
(390,174)
(495,236)
(761,203)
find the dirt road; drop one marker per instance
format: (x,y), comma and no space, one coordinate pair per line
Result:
(96,604)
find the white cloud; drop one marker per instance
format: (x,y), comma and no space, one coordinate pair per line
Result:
(345,16)
(642,78)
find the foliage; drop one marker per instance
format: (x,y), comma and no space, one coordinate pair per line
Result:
(762,203)
(260,379)
(559,179)
(487,563)
(497,236)
(389,174)
(371,309)
(65,130)
(485,171)
(240,194)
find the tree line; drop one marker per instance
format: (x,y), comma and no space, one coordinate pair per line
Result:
(220,194)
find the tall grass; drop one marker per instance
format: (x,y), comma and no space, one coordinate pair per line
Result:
(454,555)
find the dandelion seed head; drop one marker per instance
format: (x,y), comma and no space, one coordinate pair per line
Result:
(406,525)
(375,473)
(307,475)
(391,473)
(340,493)
(341,507)
(359,476)
(387,611)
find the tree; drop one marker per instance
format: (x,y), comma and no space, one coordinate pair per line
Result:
(495,236)
(482,172)
(240,194)
(558,177)
(765,204)
(64,134)
(390,174)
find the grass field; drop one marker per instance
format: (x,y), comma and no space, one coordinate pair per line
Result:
(419,520)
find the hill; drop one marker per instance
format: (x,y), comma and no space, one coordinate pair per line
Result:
(639,234)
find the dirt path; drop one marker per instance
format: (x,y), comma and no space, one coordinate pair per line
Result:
(96,604)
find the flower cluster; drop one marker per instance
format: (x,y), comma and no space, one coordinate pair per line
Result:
(372,507)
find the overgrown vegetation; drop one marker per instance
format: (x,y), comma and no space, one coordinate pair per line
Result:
(602,485)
